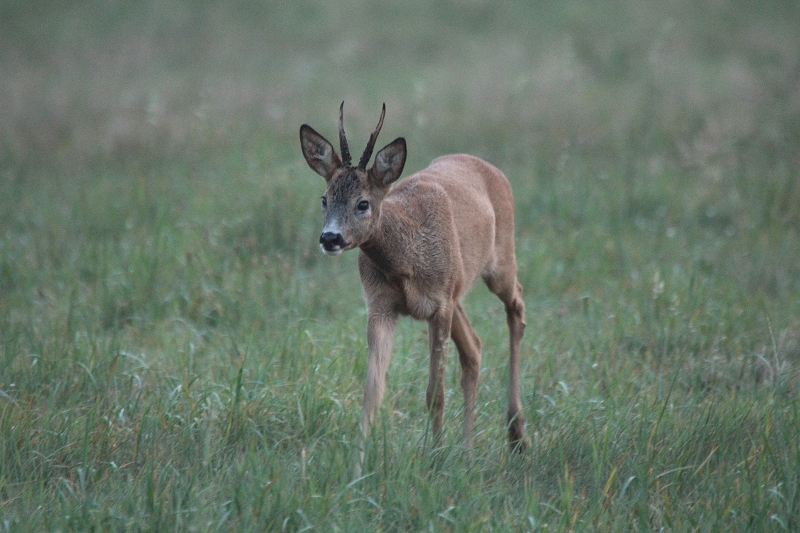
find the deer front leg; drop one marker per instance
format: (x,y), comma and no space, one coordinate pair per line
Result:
(438,336)
(469,353)
(380,334)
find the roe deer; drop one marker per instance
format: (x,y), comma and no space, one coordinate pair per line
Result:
(423,243)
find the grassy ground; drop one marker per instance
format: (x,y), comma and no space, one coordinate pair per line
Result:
(176,354)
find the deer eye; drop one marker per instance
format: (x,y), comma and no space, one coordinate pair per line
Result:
(324,202)
(363,206)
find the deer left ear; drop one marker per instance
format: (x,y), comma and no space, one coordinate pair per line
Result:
(389,163)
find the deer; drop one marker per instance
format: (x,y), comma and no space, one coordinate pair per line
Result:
(423,242)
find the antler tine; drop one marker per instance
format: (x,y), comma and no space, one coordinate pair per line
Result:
(342,139)
(362,164)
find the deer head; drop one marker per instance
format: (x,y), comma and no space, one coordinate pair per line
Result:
(351,204)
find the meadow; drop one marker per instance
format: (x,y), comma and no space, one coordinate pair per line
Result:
(177,355)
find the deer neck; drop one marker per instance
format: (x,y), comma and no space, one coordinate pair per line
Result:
(389,244)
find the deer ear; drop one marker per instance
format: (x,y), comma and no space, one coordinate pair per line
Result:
(319,153)
(389,162)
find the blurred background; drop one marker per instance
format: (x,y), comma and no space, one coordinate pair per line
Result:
(690,82)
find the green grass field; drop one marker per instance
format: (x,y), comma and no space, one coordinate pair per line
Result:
(177,355)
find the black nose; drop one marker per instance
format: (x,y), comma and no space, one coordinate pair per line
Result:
(330,240)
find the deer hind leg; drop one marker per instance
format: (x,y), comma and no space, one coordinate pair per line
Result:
(469,354)
(439,327)
(509,290)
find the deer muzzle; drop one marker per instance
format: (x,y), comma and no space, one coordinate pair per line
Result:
(332,243)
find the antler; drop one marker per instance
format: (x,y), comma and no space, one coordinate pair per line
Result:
(362,164)
(342,138)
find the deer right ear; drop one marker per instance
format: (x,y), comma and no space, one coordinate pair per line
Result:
(319,153)
(389,162)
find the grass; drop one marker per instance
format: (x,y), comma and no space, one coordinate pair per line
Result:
(175,353)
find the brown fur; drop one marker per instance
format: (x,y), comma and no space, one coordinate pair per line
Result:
(423,242)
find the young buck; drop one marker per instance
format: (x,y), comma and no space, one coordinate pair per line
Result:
(423,242)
